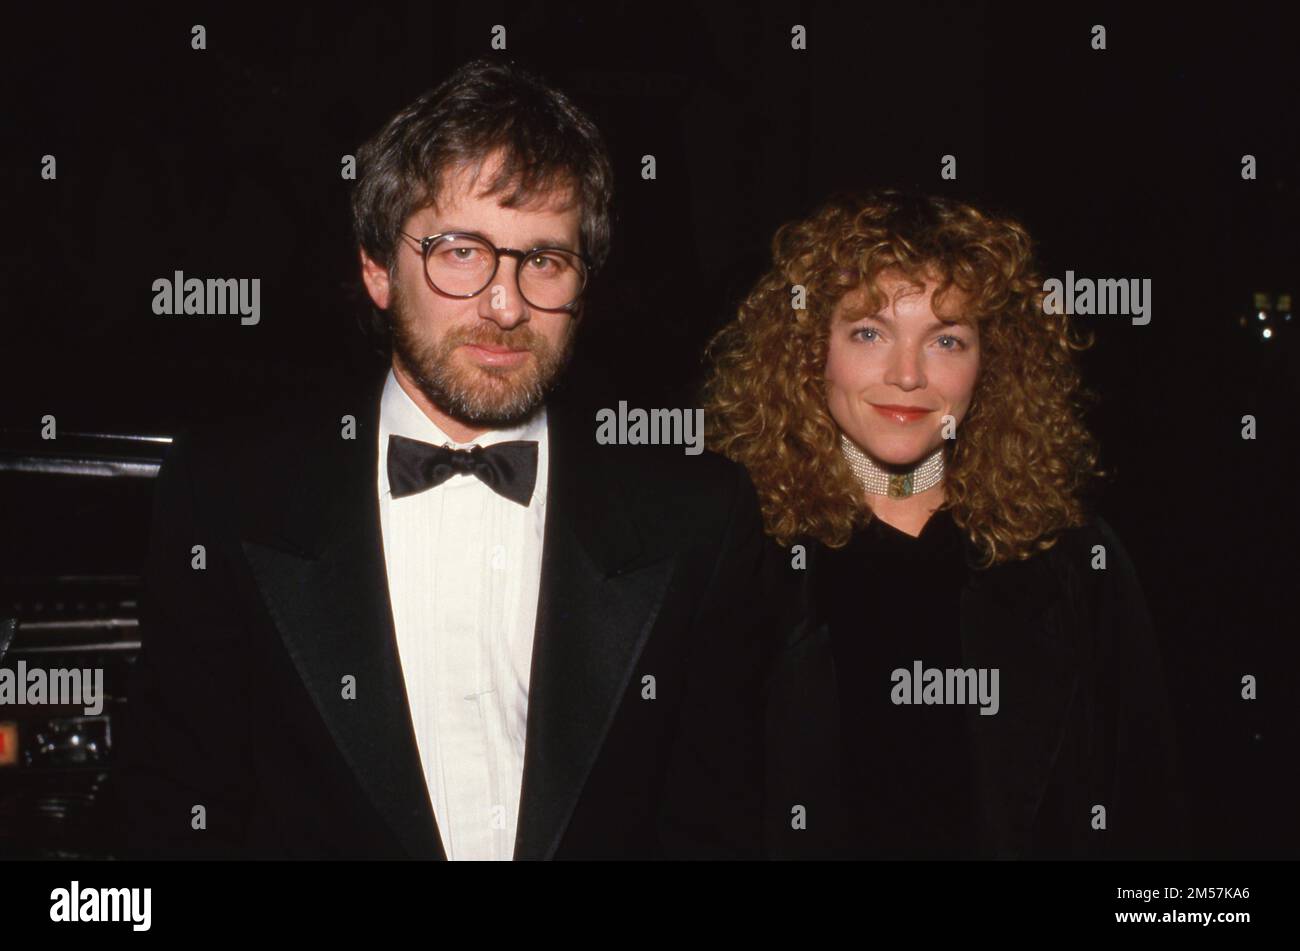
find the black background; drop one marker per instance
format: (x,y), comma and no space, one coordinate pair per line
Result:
(1122,163)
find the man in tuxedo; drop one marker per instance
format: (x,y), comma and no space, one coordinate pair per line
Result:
(434,618)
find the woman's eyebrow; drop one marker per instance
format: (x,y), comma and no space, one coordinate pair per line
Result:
(852,317)
(884,318)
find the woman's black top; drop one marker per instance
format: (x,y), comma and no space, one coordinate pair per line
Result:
(1081,726)
(891,600)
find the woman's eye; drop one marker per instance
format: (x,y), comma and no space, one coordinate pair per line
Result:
(861,332)
(949,342)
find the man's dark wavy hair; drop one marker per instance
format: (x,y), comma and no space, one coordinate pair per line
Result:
(548,145)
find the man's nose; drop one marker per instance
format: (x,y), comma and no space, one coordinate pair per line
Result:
(501,302)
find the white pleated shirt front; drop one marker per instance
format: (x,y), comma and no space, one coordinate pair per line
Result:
(464,568)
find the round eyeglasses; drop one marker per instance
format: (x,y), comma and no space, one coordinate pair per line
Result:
(460,264)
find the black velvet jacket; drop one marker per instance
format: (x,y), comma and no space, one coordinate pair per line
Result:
(1083,721)
(650,567)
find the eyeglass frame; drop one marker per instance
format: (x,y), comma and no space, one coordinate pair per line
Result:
(520,256)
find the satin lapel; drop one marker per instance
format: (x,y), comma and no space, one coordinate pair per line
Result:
(1013,619)
(319,561)
(601,590)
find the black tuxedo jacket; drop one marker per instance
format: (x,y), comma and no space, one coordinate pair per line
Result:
(650,568)
(1084,715)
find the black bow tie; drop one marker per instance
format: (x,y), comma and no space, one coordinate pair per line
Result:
(508,468)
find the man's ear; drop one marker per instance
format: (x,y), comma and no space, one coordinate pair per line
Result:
(375,276)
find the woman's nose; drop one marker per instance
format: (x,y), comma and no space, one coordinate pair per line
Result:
(905,367)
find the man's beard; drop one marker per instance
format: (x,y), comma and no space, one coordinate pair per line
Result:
(491,397)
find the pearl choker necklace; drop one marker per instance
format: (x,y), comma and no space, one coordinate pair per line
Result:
(925,475)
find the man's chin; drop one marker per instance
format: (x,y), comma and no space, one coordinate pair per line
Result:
(492,398)
(479,391)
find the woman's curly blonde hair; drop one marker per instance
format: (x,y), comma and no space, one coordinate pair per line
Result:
(1022,455)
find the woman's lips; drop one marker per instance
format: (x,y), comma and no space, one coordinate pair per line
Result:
(901,414)
(496,356)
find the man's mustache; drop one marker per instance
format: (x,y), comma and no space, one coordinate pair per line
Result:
(521,338)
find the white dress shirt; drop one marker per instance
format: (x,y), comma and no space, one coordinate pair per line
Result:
(464,565)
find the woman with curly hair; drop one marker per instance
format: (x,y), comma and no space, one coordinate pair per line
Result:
(971,670)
